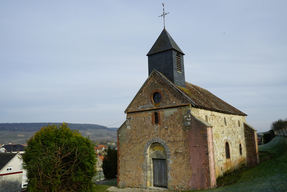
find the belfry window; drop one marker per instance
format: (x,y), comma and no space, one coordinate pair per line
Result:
(240,149)
(178,63)
(227,150)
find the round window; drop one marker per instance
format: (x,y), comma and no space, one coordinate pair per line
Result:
(156,97)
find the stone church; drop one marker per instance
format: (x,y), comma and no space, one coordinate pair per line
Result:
(177,135)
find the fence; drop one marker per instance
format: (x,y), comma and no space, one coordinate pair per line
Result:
(282,131)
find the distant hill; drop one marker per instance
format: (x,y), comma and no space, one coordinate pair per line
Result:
(20,132)
(30,127)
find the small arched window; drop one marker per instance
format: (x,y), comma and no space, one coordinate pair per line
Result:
(225,123)
(238,123)
(206,118)
(240,149)
(227,150)
(156,119)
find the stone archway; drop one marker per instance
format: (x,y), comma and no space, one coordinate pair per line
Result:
(157,159)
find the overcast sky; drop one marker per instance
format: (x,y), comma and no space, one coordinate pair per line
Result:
(84,61)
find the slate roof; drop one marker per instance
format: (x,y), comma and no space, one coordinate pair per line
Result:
(5,158)
(163,43)
(14,148)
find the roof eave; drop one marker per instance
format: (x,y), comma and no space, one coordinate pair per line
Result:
(149,54)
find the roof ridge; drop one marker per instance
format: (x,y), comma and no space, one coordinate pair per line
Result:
(176,87)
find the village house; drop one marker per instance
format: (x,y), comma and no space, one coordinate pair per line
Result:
(100,148)
(14,148)
(99,164)
(100,152)
(12,175)
(178,135)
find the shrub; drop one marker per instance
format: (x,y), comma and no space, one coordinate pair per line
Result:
(59,159)
(110,163)
(279,124)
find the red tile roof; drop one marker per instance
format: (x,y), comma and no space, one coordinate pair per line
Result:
(100,147)
(101,157)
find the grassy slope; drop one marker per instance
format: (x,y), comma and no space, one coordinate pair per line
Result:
(270,175)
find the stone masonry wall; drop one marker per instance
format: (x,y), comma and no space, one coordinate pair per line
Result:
(251,145)
(143,99)
(232,132)
(138,131)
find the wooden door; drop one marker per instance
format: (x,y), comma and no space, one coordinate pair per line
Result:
(159,173)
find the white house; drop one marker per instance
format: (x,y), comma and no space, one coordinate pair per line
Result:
(12,175)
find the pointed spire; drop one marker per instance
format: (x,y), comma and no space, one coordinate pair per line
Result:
(163,43)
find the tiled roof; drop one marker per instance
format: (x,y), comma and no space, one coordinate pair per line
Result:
(202,98)
(100,147)
(196,96)
(101,157)
(5,158)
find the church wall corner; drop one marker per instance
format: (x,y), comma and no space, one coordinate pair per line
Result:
(201,156)
(226,128)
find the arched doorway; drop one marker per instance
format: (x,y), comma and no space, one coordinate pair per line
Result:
(157,158)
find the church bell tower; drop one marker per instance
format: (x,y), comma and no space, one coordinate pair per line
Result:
(166,57)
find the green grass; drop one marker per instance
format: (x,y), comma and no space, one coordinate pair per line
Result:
(269,175)
(101,188)
(106,184)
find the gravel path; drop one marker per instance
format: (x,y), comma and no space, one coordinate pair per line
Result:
(115,189)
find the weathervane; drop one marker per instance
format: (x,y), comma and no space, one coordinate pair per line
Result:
(163,15)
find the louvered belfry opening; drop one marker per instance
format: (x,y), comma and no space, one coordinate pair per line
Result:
(178,62)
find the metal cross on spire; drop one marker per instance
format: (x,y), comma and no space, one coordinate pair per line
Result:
(163,15)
